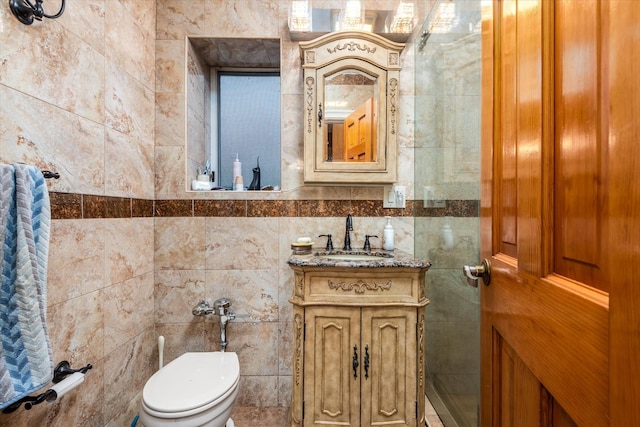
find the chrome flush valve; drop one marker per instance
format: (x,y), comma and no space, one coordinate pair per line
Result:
(221,306)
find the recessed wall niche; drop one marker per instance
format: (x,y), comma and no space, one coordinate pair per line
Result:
(205,54)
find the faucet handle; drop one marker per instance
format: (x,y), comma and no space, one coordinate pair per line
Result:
(329,242)
(367,245)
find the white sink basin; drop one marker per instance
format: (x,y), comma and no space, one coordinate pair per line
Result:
(355,257)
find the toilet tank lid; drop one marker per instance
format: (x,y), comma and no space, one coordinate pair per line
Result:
(191,381)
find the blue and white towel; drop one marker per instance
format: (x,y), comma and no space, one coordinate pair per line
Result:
(26,362)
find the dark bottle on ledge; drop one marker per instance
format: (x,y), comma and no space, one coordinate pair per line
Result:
(255,183)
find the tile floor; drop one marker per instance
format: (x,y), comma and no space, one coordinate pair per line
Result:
(433,420)
(260,417)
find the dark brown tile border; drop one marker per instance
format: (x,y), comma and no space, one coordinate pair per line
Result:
(142,208)
(220,208)
(458,208)
(79,206)
(65,205)
(105,207)
(322,208)
(167,208)
(272,208)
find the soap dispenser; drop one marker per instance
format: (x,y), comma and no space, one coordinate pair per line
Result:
(388,235)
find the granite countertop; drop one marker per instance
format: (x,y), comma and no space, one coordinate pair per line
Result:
(395,258)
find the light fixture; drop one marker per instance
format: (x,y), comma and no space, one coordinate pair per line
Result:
(403,20)
(352,15)
(300,16)
(26,11)
(445,19)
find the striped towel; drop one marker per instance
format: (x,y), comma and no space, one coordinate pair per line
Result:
(26,362)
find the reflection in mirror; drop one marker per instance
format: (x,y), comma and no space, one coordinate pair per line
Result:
(350,116)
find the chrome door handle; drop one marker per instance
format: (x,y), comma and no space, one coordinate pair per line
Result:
(475,272)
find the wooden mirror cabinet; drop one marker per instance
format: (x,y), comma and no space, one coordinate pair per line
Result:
(351,97)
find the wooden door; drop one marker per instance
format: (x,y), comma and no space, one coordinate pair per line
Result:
(359,134)
(334,138)
(331,390)
(389,377)
(560,213)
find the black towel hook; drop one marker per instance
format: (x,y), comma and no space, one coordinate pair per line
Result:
(49,174)
(26,12)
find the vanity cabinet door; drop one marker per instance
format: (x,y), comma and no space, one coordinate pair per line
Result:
(381,389)
(388,335)
(331,392)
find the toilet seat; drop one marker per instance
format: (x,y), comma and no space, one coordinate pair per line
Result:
(192,383)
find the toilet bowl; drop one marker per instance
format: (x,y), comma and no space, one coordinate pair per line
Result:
(196,389)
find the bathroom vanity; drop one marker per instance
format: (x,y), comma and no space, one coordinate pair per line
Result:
(358,346)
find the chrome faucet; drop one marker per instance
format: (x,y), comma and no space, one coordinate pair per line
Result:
(347,233)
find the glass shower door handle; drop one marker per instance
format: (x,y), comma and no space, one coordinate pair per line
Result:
(475,272)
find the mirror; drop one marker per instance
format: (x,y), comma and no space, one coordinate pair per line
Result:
(351,94)
(350,124)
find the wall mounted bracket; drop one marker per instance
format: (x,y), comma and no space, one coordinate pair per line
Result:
(26,12)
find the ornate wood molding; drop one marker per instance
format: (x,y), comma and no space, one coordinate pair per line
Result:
(299,285)
(351,47)
(421,325)
(393,108)
(360,287)
(310,87)
(394,58)
(298,326)
(310,57)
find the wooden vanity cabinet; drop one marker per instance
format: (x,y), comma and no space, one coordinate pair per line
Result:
(358,347)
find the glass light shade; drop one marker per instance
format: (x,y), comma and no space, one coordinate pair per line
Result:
(352,15)
(403,20)
(300,15)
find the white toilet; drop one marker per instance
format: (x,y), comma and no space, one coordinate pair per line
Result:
(196,389)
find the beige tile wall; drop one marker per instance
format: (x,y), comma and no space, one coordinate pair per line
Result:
(77,96)
(99,96)
(245,258)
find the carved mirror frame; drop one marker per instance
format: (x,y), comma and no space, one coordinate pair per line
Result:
(372,55)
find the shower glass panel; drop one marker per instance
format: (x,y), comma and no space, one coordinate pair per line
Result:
(447,177)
